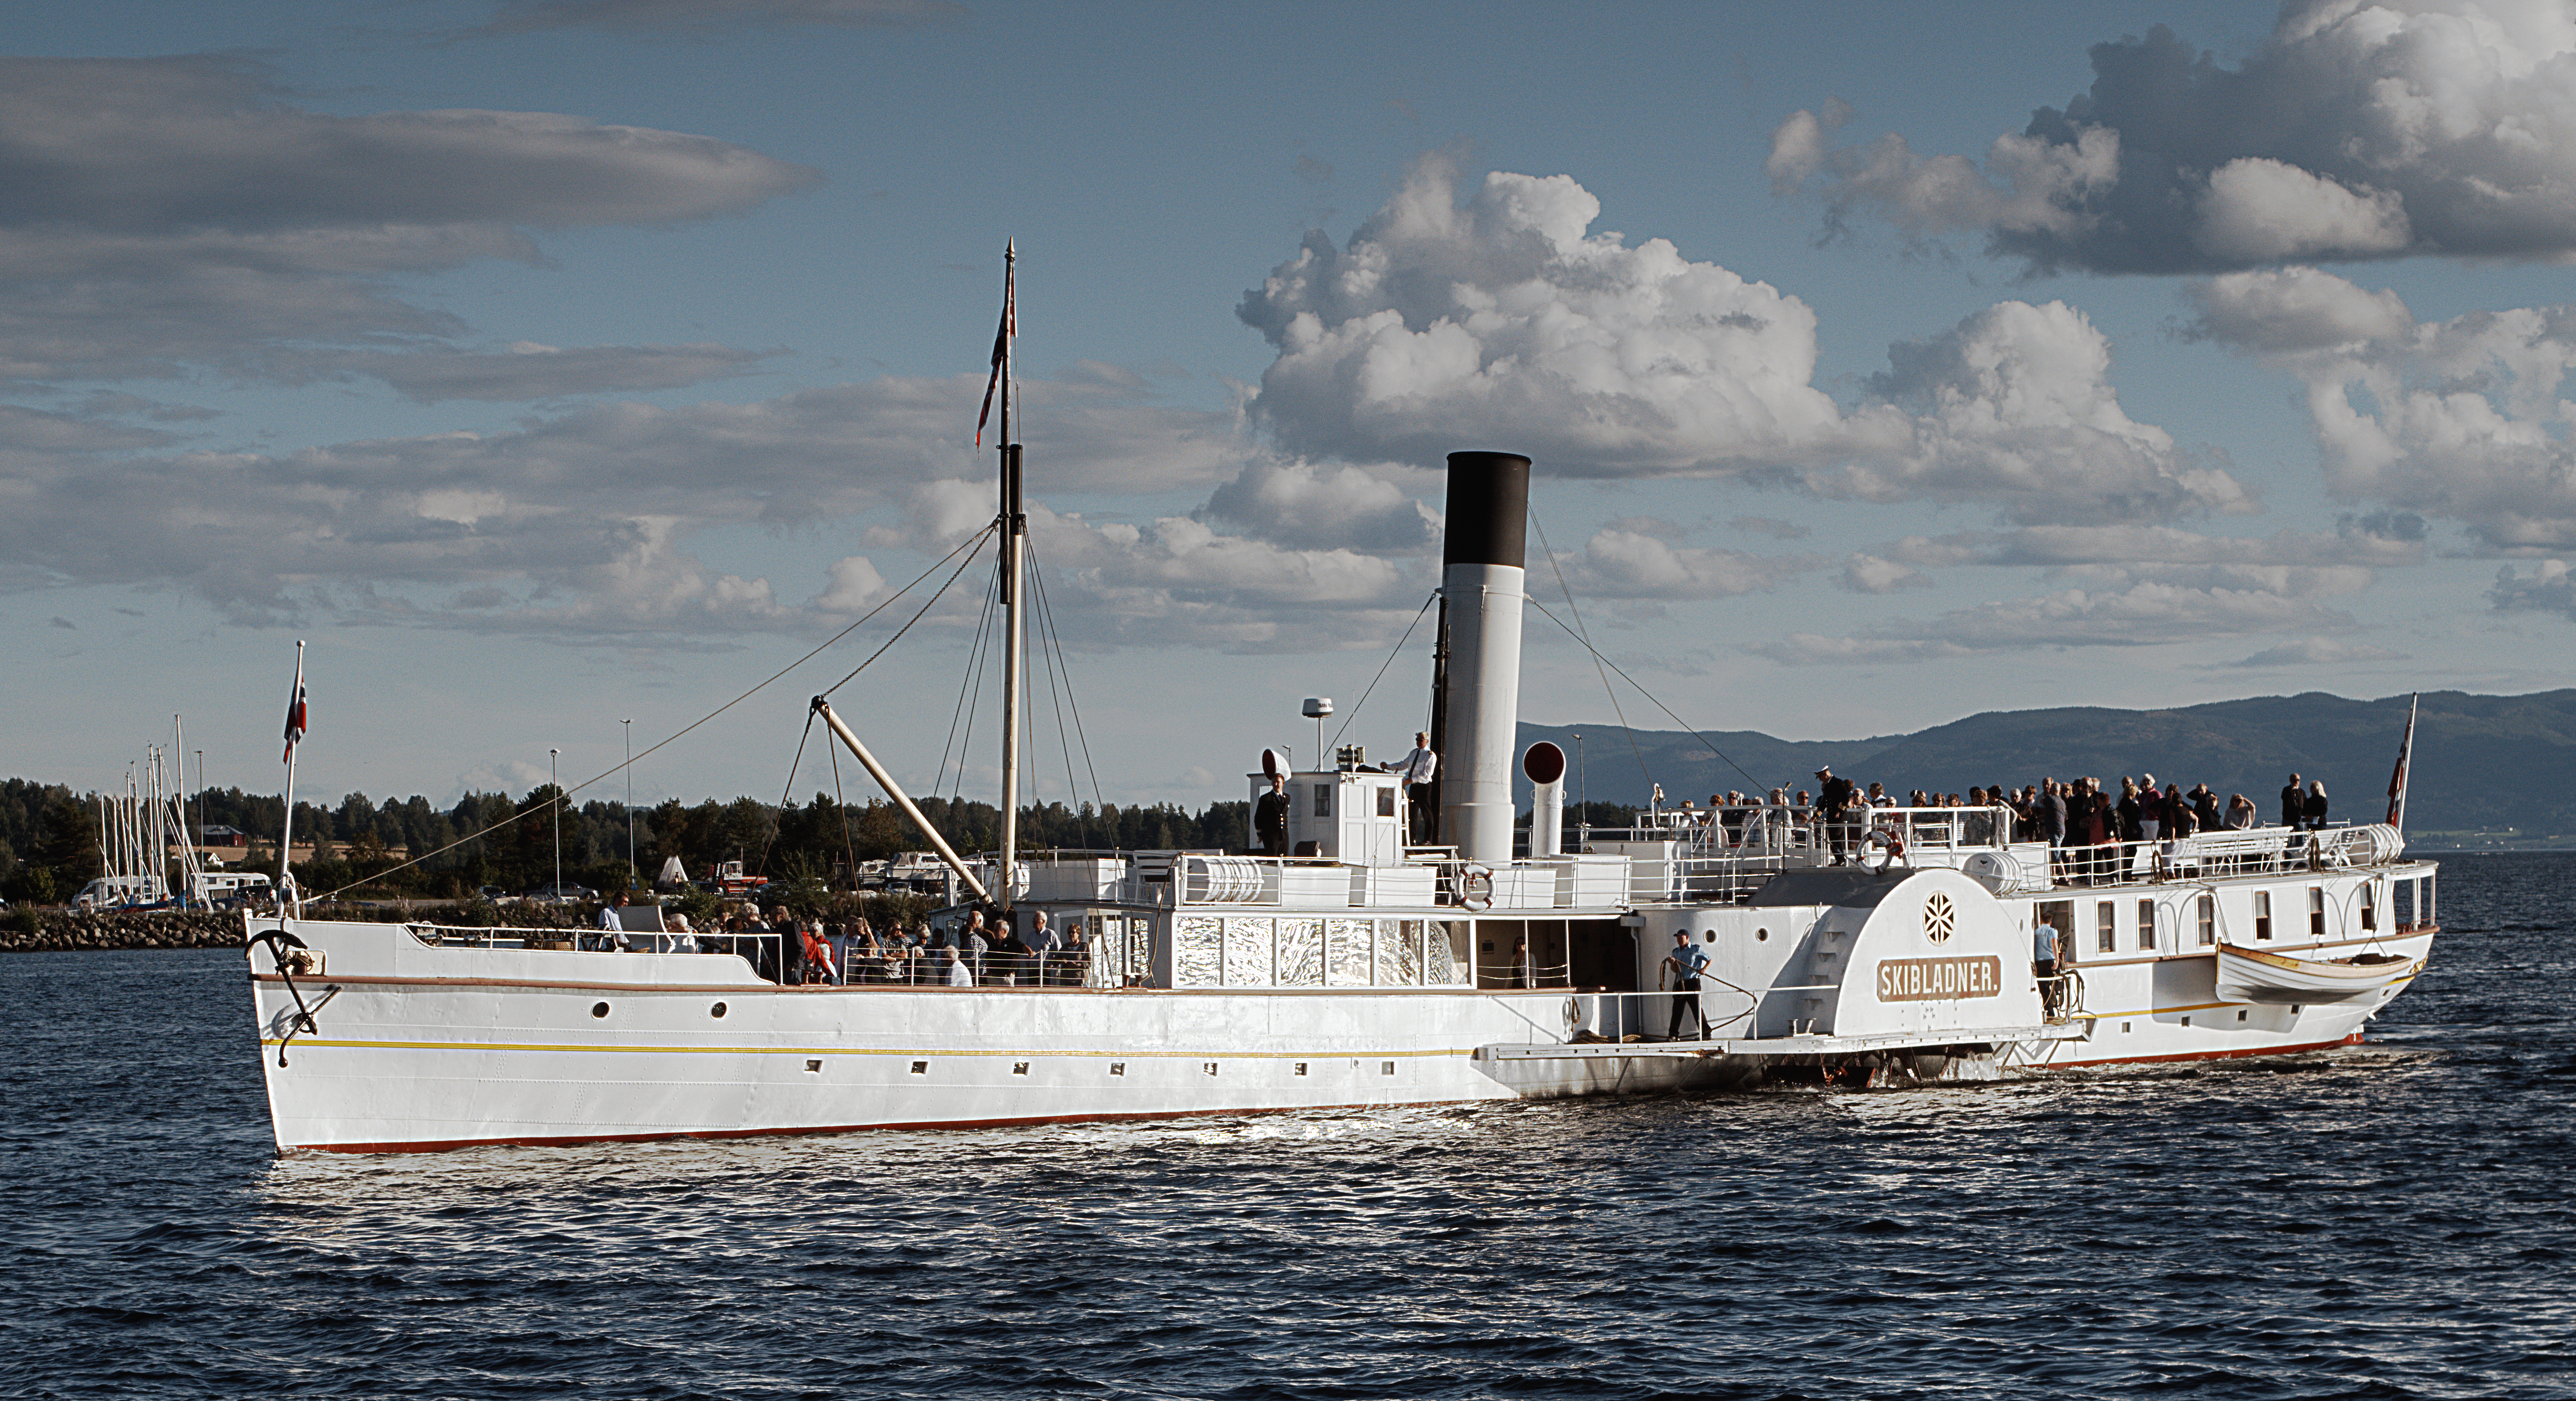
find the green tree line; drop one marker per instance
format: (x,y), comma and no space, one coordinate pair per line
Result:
(49,837)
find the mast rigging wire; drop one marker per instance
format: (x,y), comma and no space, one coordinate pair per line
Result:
(480,833)
(966,687)
(1584,638)
(1391,655)
(1641,690)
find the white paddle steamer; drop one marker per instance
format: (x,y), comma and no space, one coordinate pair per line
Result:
(1367,970)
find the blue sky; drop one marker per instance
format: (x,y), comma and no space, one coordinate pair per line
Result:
(547,364)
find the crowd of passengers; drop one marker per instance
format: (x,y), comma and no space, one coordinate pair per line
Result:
(2088,828)
(985,951)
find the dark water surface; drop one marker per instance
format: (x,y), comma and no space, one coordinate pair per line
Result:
(2386,1222)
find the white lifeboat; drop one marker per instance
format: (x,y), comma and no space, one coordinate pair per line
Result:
(2253,975)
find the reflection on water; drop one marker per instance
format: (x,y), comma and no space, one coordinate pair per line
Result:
(2379,1220)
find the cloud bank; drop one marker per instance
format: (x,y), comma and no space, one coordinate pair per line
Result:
(1500,318)
(2355,130)
(2460,419)
(162,217)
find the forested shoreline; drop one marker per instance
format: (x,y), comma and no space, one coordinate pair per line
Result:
(49,837)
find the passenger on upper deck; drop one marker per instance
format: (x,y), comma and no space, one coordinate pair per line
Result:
(1419,767)
(2240,813)
(2314,809)
(1833,802)
(2294,804)
(1270,817)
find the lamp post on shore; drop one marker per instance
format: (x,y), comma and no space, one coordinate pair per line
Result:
(201,797)
(557,892)
(630,802)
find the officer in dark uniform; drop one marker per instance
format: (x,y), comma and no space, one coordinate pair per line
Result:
(1270,817)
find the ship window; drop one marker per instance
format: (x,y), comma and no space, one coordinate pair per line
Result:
(2262,914)
(1386,1068)
(813,1067)
(1323,800)
(1118,1067)
(599,1009)
(2208,920)
(1301,1067)
(1210,1067)
(921,1067)
(2370,904)
(1386,802)
(717,1010)
(1020,1067)
(2106,921)
(2240,1016)
(2186,1021)
(2431,906)
(2317,910)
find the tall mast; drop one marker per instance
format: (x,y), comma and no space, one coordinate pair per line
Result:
(1015,526)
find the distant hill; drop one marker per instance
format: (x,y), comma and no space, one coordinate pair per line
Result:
(2481,762)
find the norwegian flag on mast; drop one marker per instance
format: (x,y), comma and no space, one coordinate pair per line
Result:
(1001,347)
(2397,780)
(295,707)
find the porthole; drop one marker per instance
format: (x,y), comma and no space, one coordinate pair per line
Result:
(599,1009)
(717,1010)
(1709,938)
(1761,934)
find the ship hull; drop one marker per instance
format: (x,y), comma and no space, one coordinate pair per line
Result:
(398,1064)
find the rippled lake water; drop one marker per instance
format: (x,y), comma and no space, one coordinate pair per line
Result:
(2390,1221)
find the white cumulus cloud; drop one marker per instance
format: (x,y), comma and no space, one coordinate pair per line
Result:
(1498,317)
(2464,419)
(2354,130)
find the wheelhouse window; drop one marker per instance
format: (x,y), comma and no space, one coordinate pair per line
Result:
(1323,800)
(2317,911)
(2208,910)
(2147,924)
(2262,914)
(2106,925)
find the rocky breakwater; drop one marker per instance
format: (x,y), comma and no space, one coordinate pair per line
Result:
(72,931)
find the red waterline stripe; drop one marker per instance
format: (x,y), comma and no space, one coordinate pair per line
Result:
(2352,1040)
(446,1145)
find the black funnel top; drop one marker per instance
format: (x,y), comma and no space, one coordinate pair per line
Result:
(1488,509)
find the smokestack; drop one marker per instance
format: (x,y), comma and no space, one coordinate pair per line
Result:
(1480,683)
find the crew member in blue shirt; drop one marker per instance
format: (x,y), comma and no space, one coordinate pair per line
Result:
(2043,964)
(1687,960)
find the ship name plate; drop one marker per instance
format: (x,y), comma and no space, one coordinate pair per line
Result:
(1939,979)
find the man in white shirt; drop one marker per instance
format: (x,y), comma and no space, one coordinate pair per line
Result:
(1418,770)
(613,929)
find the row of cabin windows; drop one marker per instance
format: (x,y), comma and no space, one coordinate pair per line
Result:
(2414,899)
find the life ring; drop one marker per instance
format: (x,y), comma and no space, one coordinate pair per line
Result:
(1886,839)
(1476,887)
